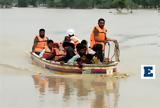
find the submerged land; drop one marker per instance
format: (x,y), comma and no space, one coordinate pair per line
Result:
(26,85)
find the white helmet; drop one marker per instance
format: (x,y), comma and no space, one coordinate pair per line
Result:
(70,32)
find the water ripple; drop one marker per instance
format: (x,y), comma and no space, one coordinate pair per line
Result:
(15,67)
(129,37)
(139,45)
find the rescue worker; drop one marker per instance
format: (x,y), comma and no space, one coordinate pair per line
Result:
(99,36)
(40,42)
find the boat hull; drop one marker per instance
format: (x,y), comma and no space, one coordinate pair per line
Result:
(86,68)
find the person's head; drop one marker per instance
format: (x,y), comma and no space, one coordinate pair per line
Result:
(84,42)
(81,49)
(67,39)
(66,45)
(101,22)
(50,43)
(42,33)
(70,32)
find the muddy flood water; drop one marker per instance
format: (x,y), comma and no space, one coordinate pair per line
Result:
(25,85)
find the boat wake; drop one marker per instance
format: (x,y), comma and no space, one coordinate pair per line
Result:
(13,67)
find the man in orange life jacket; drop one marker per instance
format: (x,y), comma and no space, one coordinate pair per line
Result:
(98,37)
(40,42)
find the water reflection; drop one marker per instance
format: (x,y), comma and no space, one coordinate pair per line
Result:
(40,82)
(100,92)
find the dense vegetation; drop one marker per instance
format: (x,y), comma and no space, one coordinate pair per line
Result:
(83,4)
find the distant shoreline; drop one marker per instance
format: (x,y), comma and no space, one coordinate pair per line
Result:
(40,7)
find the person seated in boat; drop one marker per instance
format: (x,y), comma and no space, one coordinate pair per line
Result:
(48,49)
(56,52)
(73,38)
(84,42)
(40,42)
(69,49)
(82,56)
(67,39)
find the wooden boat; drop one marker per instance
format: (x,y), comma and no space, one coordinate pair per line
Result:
(109,68)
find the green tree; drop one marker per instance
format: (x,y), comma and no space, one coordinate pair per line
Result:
(81,4)
(104,4)
(147,3)
(23,3)
(41,1)
(33,2)
(65,3)
(50,3)
(119,3)
(6,3)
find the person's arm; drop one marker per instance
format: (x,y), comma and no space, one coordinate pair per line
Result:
(51,56)
(109,39)
(73,59)
(35,43)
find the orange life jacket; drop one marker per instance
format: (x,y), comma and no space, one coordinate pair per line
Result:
(59,53)
(42,42)
(47,52)
(101,37)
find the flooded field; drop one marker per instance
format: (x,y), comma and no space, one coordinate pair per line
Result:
(24,85)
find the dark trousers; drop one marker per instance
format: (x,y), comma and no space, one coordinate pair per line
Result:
(100,55)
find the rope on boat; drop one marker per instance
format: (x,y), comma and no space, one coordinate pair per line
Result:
(116,51)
